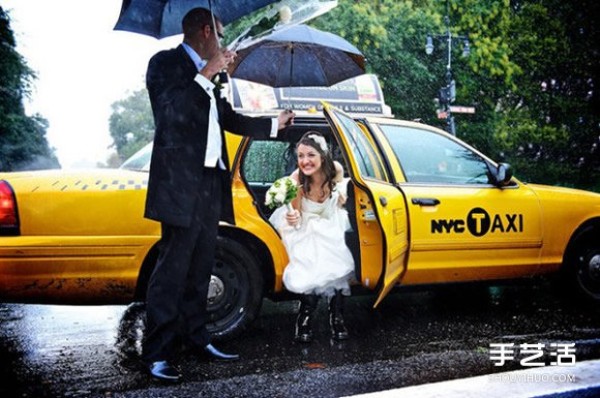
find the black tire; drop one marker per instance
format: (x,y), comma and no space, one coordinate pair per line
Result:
(583,265)
(131,331)
(236,290)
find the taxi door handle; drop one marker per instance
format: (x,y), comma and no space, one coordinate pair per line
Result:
(383,201)
(425,201)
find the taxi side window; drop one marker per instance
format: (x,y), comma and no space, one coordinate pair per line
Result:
(366,158)
(267,161)
(428,157)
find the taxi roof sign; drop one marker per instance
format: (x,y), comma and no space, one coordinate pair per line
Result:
(361,94)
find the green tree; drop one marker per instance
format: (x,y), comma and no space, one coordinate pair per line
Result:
(557,45)
(488,74)
(131,124)
(23,144)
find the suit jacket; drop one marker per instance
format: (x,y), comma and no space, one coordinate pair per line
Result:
(181,113)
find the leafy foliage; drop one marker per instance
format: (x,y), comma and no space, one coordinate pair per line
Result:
(23,144)
(131,124)
(556,44)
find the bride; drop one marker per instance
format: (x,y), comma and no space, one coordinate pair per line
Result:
(320,262)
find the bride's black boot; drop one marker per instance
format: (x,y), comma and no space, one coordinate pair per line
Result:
(336,317)
(303,332)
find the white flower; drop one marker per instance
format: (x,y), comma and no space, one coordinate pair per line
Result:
(320,140)
(279,197)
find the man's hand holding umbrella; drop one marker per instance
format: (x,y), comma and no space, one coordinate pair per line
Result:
(217,63)
(285,118)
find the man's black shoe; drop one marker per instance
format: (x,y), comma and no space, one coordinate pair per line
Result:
(164,371)
(212,352)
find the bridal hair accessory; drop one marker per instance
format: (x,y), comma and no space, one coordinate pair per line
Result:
(320,140)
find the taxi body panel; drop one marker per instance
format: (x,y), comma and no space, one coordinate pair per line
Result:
(564,211)
(82,236)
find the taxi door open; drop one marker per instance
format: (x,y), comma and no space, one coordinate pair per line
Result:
(380,207)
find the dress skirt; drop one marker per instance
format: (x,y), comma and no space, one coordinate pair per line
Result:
(320,262)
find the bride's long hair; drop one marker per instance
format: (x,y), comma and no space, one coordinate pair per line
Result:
(315,140)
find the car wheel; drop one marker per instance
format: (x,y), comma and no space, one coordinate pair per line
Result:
(585,265)
(131,331)
(235,292)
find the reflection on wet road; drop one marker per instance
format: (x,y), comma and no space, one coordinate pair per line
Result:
(413,338)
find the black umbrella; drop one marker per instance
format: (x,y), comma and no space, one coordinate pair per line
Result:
(298,56)
(162,18)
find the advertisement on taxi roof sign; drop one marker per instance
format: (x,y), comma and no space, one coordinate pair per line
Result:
(361,94)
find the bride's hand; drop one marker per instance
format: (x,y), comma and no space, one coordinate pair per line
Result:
(293,218)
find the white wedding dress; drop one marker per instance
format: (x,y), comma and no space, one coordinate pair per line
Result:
(320,262)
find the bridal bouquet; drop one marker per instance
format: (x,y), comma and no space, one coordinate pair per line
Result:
(281,193)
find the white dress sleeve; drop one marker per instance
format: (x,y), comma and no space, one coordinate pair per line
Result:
(342,187)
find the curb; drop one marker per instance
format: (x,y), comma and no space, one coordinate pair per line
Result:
(581,380)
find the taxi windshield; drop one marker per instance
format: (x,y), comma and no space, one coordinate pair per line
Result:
(139,161)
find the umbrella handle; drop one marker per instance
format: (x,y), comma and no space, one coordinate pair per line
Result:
(291,46)
(223,77)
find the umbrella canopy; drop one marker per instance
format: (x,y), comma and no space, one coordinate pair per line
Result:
(298,56)
(162,18)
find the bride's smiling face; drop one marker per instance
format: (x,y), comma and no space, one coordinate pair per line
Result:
(309,159)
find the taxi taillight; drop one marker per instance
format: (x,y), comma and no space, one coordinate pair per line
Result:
(9,217)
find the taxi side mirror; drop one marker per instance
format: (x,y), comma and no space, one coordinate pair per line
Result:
(502,174)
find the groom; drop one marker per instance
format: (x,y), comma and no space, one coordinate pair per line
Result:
(189,188)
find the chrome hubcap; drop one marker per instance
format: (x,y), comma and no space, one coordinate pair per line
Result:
(216,290)
(594,267)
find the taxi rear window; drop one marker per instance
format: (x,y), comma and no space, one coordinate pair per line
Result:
(267,161)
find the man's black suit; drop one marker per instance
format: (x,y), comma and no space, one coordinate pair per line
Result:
(187,198)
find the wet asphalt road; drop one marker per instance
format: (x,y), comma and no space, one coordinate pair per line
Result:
(414,337)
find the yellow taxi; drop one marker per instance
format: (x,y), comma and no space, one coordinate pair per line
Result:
(425,208)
